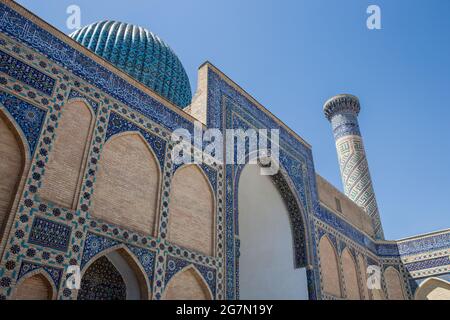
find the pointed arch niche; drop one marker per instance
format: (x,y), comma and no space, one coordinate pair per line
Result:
(329,268)
(272,261)
(65,167)
(35,286)
(126,190)
(350,275)
(114,274)
(393,284)
(14,162)
(187,284)
(191,210)
(363,269)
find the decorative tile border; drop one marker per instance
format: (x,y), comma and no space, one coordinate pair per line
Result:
(26,74)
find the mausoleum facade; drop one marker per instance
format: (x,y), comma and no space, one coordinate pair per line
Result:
(88,180)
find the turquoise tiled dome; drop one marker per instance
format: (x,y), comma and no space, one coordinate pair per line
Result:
(141,54)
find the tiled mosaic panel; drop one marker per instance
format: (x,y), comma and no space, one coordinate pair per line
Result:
(50,234)
(26,74)
(29,118)
(423,244)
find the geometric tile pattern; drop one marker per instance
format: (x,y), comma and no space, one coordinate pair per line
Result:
(73,94)
(141,54)
(25,73)
(54,273)
(146,258)
(94,244)
(50,234)
(431,263)
(29,118)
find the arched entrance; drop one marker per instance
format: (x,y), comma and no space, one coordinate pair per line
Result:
(272,263)
(114,275)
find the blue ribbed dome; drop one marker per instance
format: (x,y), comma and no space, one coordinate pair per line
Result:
(141,54)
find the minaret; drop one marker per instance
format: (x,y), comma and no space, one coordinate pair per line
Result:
(342,111)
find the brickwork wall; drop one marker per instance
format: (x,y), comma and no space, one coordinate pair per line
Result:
(350,210)
(65,166)
(191,211)
(11,166)
(329,268)
(350,276)
(187,285)
(363,270)
(393,284)
(126,190)
(34,288)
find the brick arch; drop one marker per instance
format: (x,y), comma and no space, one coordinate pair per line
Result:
(127,187)
(394,284)
(433,289)
(329,268)
(14,165)
(187,284)
(67,160)
(350,275)
(192,210)
(134,265)
(36,285)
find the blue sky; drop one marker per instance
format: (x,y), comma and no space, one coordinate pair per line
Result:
(293,55)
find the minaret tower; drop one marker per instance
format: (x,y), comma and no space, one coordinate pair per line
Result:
(342,111)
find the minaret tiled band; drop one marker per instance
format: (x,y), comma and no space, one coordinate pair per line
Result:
(342,111)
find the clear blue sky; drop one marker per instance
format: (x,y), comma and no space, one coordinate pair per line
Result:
(293,55)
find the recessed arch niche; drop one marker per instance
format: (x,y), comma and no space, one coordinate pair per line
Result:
(272,261)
